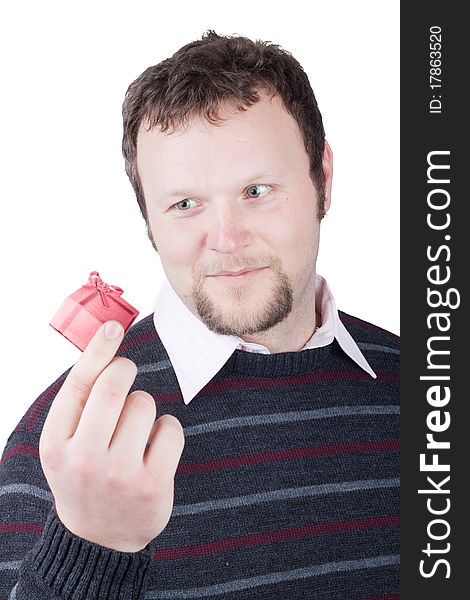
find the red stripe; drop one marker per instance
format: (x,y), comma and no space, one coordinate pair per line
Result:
(251,459)
(46,398)
(233,462)
(36,409)
(175,397)
(388,597)
(21,528)
(46,395)
(20,449)
(271,537)
(366,325)
(278,382)
(50,394)
(25,418)
(127,344)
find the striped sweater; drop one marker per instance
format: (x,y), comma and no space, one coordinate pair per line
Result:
(288,486)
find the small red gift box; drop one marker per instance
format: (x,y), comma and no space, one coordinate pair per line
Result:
(85,310)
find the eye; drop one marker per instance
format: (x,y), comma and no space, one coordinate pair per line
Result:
(252,191)
(184,202)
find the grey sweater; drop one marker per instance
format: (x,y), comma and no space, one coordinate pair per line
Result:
(288,486)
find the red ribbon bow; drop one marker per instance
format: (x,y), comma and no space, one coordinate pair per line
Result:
(102,288)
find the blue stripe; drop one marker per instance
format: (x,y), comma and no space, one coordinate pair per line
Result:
(273,578)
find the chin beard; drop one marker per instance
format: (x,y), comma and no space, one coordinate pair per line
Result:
(242,321)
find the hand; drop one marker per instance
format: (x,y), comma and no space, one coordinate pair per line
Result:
(108,487)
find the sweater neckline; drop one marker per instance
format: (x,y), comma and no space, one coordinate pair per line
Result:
(281,364)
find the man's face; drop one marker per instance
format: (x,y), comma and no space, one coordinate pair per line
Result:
(229,198)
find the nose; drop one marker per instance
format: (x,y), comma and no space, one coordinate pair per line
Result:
(228,229)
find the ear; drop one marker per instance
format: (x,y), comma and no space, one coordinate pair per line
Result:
(327,163)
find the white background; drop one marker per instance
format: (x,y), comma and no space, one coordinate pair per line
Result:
(68,207)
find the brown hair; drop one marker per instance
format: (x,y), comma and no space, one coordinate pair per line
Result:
(216,69)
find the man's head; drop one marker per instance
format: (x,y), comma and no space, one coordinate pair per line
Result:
(201,77)
(225,149)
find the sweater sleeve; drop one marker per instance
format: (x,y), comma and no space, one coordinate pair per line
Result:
(39,557)
(63,565)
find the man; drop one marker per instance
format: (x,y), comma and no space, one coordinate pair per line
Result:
(272,468)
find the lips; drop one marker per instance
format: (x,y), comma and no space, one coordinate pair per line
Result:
(237,278)
(233,273)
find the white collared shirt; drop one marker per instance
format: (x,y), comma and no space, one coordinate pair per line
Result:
(197,353)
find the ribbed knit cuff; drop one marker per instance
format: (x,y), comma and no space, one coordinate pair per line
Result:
(76,569)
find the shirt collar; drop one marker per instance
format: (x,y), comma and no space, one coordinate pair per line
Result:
(197,353)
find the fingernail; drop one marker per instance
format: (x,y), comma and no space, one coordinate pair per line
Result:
(112,330)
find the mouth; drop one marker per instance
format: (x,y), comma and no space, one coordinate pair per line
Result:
(236,277)
(233,273)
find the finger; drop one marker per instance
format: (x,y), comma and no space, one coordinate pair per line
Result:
(104,406)
(166,443)
(66,409)
(134,428)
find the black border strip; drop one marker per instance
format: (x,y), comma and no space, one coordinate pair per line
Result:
(434,252)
